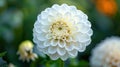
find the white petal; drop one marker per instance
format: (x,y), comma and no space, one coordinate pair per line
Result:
(52,49)
(45,28)
(54,42)
(69,39)
(49,36)
(58,11)
(37,30)
(88,23)
(35,38)
(83,28)
(37,24)
(82,47)
(41,36)
(76,45)
(55,6)
(73,10)
(83,37)
(73,53)
(90,32)
(44,15)
(37,27)
(54,56)
(87,42)
(65,7)
(38,51)
(61,51)
(42,21)
(69,46)
(75,38)
(64,57)
(38,48)
(67,14)
(40,44)
(61,43)
(51,12)
(51,19)
(47,43)
(82,15)
(59,16)
(45,50)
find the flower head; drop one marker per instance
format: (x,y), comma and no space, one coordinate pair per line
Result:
(107,53)
(61,31)
(26,51)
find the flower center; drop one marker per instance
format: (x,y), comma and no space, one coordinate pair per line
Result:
(60,30)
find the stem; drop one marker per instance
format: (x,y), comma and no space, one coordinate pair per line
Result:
(61,63)
(48,64)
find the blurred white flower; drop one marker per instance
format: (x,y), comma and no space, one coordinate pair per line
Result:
(2,3)
(11,65)
(26,51)
(107,53)
(13,18)
(17,18)
(62,31)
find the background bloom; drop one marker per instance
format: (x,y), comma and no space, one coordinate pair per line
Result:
(26,51)
(11,65)
(107,53)
(62,31)
(107,7)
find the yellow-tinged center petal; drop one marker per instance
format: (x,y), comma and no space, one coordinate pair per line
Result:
(60,30)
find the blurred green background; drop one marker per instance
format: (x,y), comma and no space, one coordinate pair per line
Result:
(17,18)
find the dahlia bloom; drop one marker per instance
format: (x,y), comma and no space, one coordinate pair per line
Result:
(61,31)
(26,51)
(107,53)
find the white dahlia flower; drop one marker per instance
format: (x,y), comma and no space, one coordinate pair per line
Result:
(107,53)
(26,51)
(62,31)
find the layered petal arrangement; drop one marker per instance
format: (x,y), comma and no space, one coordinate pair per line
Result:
(26,51)
(62,31)
(107,53)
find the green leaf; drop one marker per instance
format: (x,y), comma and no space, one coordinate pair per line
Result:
(2,54)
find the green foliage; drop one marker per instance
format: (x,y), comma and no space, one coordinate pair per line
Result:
(3,54)
(83,63)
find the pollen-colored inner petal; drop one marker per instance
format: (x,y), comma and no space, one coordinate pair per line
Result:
(60,30)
